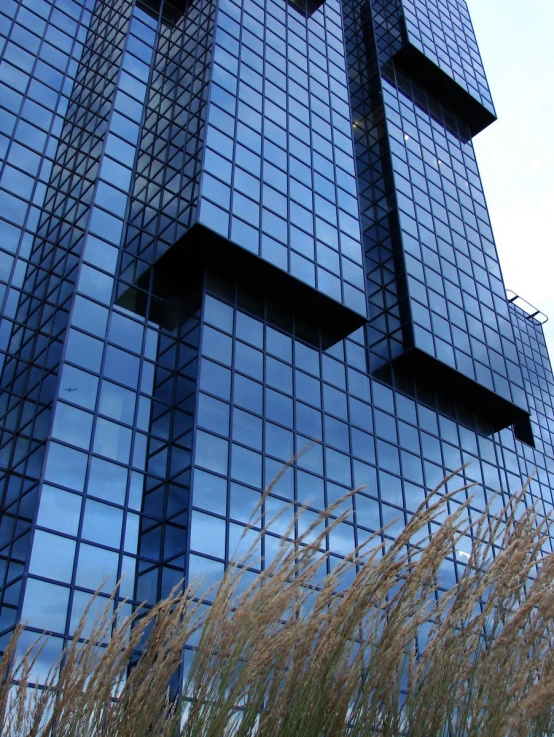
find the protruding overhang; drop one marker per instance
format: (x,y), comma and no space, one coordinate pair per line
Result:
(455,98)
(180,270)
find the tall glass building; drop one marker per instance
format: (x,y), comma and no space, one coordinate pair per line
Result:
(229,228)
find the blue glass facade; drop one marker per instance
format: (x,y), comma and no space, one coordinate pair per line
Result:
(230,231)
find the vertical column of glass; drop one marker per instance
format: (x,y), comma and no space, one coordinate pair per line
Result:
(389,332)
(457,294)
(100,369)
(443,32)
(164,198)
(434,279)
(40,47)
(416,445)
(537,376)
(167,180)
(279,168)
(164,523)
(264,395)
(534,463)
(390,30)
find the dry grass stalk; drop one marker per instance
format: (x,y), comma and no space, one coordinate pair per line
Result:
(301,653)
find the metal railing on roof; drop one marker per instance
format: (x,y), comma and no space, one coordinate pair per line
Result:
(527,307)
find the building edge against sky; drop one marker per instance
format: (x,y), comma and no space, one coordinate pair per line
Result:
(226,229)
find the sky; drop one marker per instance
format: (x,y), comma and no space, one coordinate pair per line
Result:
(516,154)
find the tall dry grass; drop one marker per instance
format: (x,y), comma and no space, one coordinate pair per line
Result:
(301,653)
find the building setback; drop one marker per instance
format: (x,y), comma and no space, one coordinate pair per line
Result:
(227,230)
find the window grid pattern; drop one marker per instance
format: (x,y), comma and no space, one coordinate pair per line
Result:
(106,413)
(388,330)
(434,281)
(170,414)
(537,375)
(442,30)
(166,180)
(163,531)
(279,168)
(389,28)
(116,484)
(101,406)
(457,296)
(41,292)
(264,396)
